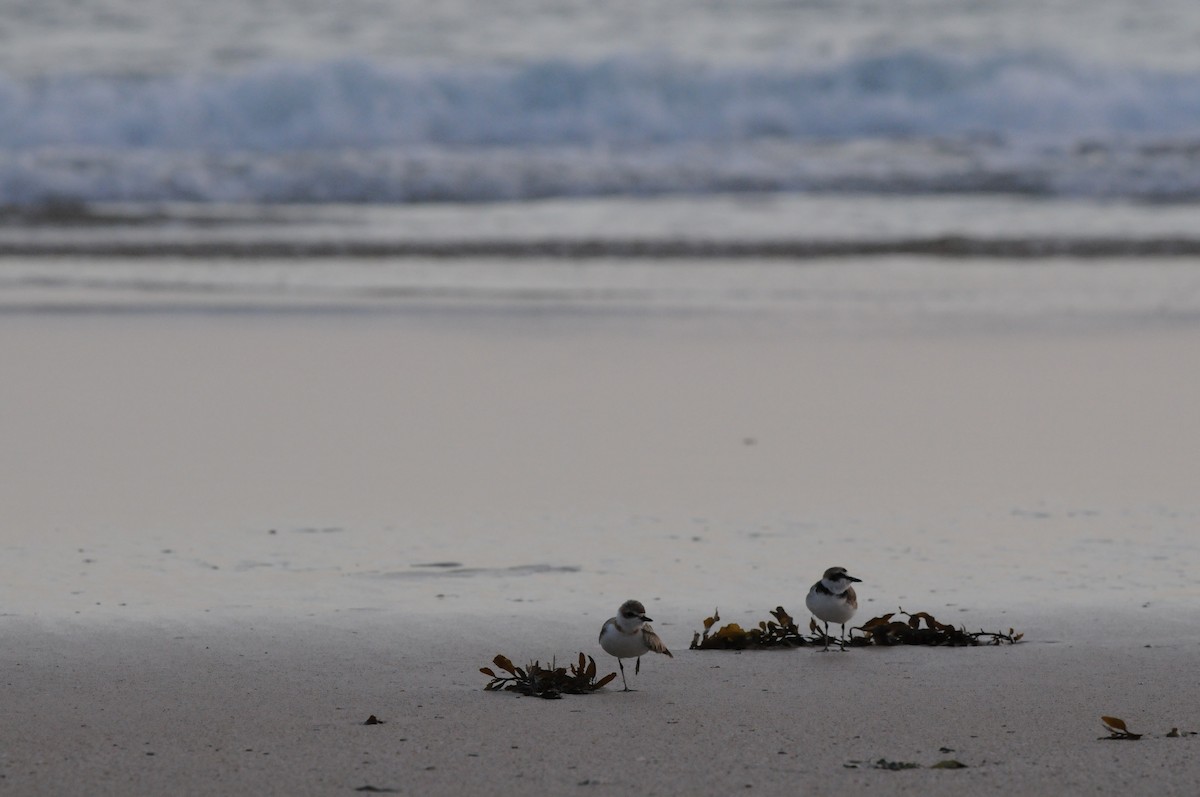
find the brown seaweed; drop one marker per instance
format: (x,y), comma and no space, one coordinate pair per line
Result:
(899,766)
(895,628)
(895,766)
(1117,730)
(781,632)
(550,682)
(885,630)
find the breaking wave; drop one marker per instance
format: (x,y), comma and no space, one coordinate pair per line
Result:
(359,131)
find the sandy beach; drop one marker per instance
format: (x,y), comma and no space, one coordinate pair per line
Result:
(230,536)
(344,347)
(276,707)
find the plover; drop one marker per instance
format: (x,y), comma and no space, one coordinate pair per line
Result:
(628,636)
(832,600)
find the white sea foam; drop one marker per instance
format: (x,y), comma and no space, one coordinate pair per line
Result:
(360,130)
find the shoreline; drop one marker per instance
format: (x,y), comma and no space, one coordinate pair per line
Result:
(800,251)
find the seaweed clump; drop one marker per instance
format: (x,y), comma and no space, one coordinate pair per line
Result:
(781,632)
(885,630)
(900,766)
(550,682)
(894,628)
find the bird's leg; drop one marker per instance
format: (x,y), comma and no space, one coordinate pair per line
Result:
(843,637)
(621,664)
(826,637)
(637,668)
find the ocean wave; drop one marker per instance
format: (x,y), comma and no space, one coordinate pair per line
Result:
(354,130)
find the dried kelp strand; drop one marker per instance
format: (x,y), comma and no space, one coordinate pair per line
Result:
(551,683)
(894,628)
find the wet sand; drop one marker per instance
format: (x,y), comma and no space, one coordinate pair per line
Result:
(228,538)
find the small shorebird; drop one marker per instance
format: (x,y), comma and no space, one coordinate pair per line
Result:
(627,636)
(832,600)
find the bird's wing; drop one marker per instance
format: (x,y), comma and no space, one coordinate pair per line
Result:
(610,621)
(653,642)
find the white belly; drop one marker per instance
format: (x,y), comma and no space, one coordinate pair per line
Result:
(623,646)
(830,608)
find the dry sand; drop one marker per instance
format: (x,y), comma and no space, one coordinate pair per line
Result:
(212,523)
